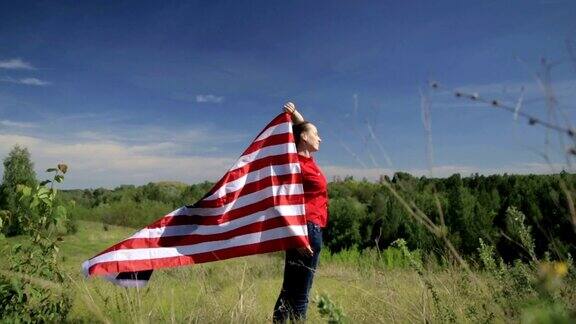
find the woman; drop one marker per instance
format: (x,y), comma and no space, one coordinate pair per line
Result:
(301,263)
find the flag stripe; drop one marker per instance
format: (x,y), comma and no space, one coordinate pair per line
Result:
(272,150)
(149,254)
(277,211)
(279,134)
(247,199)
(222,254)
(264,223)
(254,166)
(282,118)
(276,171)
(233,214)
(207,229)
(284,127)
(252,182)
(273,140)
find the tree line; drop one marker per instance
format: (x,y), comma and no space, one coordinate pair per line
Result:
(363,214)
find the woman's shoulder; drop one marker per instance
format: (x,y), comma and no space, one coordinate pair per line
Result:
(305,159)
(309,166)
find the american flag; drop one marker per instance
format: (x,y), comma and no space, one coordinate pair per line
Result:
(257,207)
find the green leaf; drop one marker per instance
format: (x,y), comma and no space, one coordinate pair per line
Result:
(45,182)
(59,178)
(43,192)
(47,201)
(51,170)
(34,202)
(24,190)
(16,248)
(60,212)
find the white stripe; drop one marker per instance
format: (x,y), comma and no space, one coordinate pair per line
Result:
(167,252)
(251,198)
(270,213)
(86,268)
(274,130)
(271,150)
(180,211)
(270,191)
(128,283)
(271,170)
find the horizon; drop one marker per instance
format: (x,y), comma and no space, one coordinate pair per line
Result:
(334,179)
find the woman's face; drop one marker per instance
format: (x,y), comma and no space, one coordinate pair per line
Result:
(311,138)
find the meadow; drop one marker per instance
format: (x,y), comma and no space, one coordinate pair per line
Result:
(377,287)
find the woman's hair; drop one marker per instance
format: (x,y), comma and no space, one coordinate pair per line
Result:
(297,129)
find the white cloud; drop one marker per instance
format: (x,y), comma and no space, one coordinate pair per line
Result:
(107,163)
(16,64)
(209,99)
(96,162)
(155,148)
(33,81)
(117,154)
(26,81)
(15,124)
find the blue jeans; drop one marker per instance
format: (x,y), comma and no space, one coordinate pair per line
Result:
(298,276)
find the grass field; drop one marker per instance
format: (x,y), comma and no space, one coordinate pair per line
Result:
(244,290)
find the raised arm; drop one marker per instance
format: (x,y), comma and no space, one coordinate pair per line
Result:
(290,108)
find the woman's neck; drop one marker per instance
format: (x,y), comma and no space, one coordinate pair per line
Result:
(303,151)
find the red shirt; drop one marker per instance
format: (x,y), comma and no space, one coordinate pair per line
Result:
(315,191)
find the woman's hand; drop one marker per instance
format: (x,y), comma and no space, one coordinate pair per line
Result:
(289,107)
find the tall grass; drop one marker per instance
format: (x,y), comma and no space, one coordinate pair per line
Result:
(367,287)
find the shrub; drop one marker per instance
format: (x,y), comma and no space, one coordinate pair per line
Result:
(33,289)
(18,170)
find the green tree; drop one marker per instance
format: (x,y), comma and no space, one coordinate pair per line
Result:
(344,229)
(18,170)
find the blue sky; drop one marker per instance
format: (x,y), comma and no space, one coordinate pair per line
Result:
(140,91)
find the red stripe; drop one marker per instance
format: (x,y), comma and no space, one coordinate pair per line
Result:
(215,220)
(113,267)
(282,118)
(255,165)
(271,140)
(181,240)
(292,178)
(231,215)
